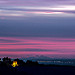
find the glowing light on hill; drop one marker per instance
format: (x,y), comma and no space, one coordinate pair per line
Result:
(14,64)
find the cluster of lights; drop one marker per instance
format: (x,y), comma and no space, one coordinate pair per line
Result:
(14,64)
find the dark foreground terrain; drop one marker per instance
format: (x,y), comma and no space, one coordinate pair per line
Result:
(18,67)
(37,70)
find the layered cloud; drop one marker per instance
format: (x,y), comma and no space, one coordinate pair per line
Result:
(36,46)
(25,8)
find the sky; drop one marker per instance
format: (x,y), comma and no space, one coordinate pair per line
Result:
(31,28)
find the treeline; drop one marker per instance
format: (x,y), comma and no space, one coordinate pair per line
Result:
(8,62)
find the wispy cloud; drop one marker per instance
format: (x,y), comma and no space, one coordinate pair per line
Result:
(43,7)
(52,45)
(39,2)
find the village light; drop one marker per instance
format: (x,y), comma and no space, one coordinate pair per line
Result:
(14,64)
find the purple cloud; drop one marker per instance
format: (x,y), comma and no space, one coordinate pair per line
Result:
(38,2)
(23,8)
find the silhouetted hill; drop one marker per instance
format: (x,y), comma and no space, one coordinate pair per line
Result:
(33,68)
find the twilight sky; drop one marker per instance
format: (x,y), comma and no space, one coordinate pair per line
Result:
(37,27)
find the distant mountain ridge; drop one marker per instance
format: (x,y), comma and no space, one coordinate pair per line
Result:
(37,58)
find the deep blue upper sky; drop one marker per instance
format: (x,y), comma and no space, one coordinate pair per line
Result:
(39,26)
